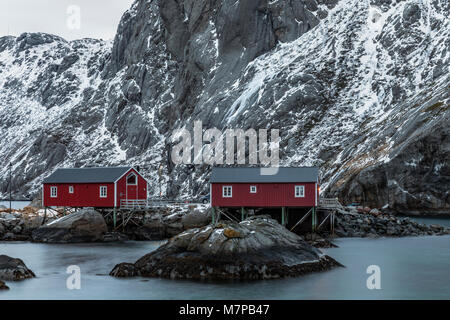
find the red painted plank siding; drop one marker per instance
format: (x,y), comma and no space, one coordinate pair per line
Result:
(85,195)
(267,195)
(131,192)
(88,194)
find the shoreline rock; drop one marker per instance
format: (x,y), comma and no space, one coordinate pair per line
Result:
(353,223)
(86,225)
(257,248)
(3,286)
(162,224)
(12,269)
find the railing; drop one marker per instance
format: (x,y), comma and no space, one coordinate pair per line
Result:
(132,204)
(330,203)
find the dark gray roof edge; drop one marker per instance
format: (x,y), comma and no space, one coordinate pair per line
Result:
(53,179)
(247,175)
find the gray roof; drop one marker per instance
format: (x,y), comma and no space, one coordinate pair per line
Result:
(252,174)
(86,175)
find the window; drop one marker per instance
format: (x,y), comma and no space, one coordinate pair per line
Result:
(227,191)
(132,179)
(53,192)
(70,189)
(103,192)
(252,189)
(299,191)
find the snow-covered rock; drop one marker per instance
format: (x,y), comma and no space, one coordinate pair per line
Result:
(357,87)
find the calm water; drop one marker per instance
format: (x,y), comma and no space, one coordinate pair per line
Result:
(411,268)
(15,204)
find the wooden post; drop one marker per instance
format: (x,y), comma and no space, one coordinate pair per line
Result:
(45,215)
(287,215)
(313,218)
(332,222)
(212,214)
(218,215)
(283,221)
(115,217)
(242,214)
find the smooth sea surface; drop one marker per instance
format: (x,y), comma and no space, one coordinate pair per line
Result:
(411,268)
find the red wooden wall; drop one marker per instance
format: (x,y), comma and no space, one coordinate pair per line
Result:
(267,195)
(85,195)
(132,192)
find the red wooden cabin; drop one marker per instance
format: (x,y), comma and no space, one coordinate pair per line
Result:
(93,187)
(247,187)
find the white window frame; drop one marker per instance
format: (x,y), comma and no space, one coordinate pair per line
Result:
(136,179)
(297,192)
(225,193)
(253,189)
(71,189)
(53,192)
(105,194)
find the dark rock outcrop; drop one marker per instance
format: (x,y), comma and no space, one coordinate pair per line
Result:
(158,224)
(350,223)
(86,225)
(12,269)
(3,286)
(257,248)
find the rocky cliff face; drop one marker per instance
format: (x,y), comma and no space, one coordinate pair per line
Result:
(359,88)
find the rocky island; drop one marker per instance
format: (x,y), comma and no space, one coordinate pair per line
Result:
(256,248)
(13,269)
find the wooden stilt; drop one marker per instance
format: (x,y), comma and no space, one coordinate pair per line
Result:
(283,219)
(45,215)
(213,213)
(218,215)
(332,222)
(287,216)
(242,213)
(314,219)
(115,217)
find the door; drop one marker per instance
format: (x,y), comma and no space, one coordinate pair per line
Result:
(132,187)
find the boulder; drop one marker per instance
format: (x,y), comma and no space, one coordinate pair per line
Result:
(196,219)
(13,269)
(173,229)
(17,229)
(3,286)
(9,236)
(86,225)
(256,248)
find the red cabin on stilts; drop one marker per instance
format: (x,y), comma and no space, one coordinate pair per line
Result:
(93,187)
(295,188)
(254,187)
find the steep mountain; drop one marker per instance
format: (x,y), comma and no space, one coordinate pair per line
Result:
(358,87)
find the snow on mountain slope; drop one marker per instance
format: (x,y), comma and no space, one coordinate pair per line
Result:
(360,88)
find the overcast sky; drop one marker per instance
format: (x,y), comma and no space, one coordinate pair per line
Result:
(70,19)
